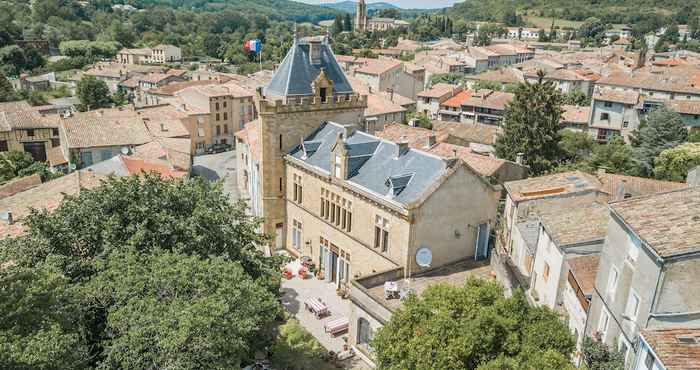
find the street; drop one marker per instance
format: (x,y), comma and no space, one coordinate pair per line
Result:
(215,167)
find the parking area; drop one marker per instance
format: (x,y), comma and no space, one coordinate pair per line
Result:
(220,166)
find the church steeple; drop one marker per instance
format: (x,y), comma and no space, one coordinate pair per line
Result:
(361,17)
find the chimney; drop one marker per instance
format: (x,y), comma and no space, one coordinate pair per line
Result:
(430,141)
(400,149)
(519,158)
(315,52)
(348,130)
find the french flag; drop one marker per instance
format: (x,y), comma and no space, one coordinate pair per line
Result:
(253,45)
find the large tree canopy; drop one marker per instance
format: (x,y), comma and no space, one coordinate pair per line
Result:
(673,164)
(663,129)
(531,126)
(141,272)
(469,327)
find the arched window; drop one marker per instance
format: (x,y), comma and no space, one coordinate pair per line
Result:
(364,332)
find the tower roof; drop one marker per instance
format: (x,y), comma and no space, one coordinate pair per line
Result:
(298,71)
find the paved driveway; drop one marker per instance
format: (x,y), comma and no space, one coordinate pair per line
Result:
(215,167)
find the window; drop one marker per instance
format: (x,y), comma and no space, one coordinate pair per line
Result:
(545,273)
(54,131)
(604,116)
(105,154)
(625,124)
(338,164)
(218,130)
(218,117)
(381,233)
(364,332)
(30,133)
(217,106)
(280,141)
(335,209)
(296,235)
(623,346)
(298,190)
(54,142)
(633,249)
(3,146)
(86,158)
(632,306)
(612,282)
(280,184)
(225,104)
(608,104)
(603,323)
(225,116)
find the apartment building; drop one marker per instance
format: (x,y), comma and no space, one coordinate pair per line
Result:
(647,272)
(613,112)
(429,101)
(220,110)
(159,54)
(391,75)
(24,129)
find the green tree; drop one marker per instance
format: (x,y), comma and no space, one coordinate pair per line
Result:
(663,129)
(598,356)
(673,164)
(7,93)
(39,314)
(450,78)
(531,126)
(296,349)
(466,327)
(166,273)
(577,97)
(348,22)
(12,60)
(615,156)
(592,31)
(15,163)
(489,85)
(577,145)
(338,26)
(168,309)
(93,93)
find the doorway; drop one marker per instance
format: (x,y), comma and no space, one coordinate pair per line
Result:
(37,150)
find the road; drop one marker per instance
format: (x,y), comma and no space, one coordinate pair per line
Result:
(215,167)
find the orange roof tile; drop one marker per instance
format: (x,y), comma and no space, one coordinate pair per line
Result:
(673,349)
(137,166)
(457,100)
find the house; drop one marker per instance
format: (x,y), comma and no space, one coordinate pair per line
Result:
(167,93)
(24,129)
(308,88)
(429,100)
(567,80)
(219,111)
(159,54)
(503,76)
(648,269)
(477,136)
(670,349)
(391,74)
(523,33)
(438,143)
(451,109)
(381,111)
(575,117)
(384,24)
(35,83)
(123,165)
(485,106)
(613,112)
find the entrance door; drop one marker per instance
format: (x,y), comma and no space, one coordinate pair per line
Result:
(482,242)
(279,233)
(37,150)
(334,267)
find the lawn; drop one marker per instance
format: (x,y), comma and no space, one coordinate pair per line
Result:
(546,22)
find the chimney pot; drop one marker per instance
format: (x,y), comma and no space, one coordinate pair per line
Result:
(400,149)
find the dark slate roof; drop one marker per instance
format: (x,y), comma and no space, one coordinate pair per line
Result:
(372,164)
(296,73)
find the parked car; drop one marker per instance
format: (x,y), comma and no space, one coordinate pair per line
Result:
(218,148)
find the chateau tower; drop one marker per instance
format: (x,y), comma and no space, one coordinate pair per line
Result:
(361,17)
(308,88)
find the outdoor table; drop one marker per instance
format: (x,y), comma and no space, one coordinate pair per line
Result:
(316,307)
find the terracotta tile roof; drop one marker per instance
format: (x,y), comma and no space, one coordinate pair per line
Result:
(17,185)
(171,88)
(378,105)
(677,348)
(489,99)
(552,185)
(575,114)
(471,133)
(20,115)
(457,100)
(166,128)
(615,96)
(577,224)
(416,137)
(95,129)
(378,66)
(670,62)
(137,166)
(585,270)
(48,195)
(668,222)
(503,75)
(440,91)
(396,98)
(619,185)
(484,165)
(132,82)
(682,79)
(174,152)
(684,106)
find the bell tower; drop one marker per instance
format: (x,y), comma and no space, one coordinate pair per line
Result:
(361,17)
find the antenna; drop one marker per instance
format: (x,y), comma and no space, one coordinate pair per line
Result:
(424,257)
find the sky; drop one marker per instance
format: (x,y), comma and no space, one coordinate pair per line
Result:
(406,4)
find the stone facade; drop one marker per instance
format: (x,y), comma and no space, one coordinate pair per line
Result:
(282,127)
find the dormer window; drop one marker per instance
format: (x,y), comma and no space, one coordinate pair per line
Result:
(338,166)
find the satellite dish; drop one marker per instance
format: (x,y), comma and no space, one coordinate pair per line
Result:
(72,166)
(125,150)
(424,257)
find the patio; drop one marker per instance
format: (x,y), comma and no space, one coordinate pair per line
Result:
(296,290)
